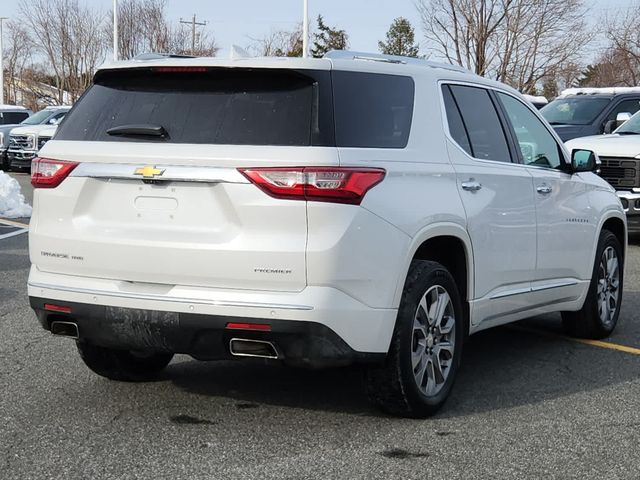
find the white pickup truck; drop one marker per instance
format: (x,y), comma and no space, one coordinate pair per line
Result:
(26,140)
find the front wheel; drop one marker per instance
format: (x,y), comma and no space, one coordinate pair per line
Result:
(599,315)
(426,346)
(123,365)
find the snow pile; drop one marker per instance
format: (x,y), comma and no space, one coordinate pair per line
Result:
(12,203)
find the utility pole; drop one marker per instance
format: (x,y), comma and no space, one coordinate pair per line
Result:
(1,63)
(193,31)
(115,30)
(305,29)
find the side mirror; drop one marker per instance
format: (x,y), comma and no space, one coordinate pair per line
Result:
(54,121)
(623,117)
(610,126)
(584,161)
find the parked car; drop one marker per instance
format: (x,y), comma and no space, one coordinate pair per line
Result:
(10,117)
(537,101)
(620,157)
(358,208)
(581,112)
(26,139)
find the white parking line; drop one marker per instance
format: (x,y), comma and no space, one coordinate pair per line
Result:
(13,234)
(4,221)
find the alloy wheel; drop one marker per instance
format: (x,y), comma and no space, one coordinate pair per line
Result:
(433,340)
(608,286)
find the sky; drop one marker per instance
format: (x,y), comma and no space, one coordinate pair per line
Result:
(237,21)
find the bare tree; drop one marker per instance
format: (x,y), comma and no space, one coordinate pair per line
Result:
(279,43)
(69,36)
(17,56)
(515,41)
(619,63)
(143,26)
(180,42)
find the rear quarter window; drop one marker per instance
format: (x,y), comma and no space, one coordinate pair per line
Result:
(372,110)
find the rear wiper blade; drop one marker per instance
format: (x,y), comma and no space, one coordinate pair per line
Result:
(627,133)
(143,130)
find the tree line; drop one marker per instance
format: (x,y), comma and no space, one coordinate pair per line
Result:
(536,46)
(60,43)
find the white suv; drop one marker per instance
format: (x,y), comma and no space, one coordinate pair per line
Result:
(352,209)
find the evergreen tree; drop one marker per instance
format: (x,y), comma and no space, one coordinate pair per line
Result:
(328,39)
(400,39)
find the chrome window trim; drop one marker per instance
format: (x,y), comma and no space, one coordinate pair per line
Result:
(447,133)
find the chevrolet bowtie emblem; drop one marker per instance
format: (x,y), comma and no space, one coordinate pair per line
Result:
(149,171)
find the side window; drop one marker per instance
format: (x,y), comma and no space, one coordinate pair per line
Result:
(629,106)
(482,123)
(537,145)
(456,126)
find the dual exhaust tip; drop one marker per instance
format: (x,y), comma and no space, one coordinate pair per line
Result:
(242,347)
(239,347)
(65,329)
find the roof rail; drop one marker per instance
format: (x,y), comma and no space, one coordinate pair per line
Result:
(157,56)
(398,59)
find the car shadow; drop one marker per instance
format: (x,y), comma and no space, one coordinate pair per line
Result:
(521,364)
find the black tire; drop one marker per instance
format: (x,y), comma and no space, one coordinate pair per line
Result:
(122,365)
(587,322)
(6,164)
(394,386)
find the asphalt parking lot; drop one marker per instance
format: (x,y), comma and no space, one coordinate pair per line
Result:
(529,403)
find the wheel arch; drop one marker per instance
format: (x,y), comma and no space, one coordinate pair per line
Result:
(616,223)
(450,245)
(617,226)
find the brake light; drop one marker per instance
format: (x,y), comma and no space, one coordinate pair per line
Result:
(180,69)
(48,173)
(321,184)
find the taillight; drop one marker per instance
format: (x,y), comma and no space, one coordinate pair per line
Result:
(48,173)
(321,184)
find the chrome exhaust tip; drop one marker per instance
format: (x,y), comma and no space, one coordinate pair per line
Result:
(65,329)
(243,347)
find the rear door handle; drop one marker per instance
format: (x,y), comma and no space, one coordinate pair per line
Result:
(471,185)
(544,189)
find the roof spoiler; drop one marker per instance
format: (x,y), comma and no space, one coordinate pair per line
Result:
(157,56)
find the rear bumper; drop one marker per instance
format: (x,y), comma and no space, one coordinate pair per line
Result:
(205,337)
(322,312)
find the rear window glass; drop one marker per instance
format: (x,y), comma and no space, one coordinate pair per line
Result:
(214,106)
(247,107)
(9,118)
(372,110)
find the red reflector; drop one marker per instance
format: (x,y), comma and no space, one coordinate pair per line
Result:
(48,173)
(57,308)
(263,327)
(180,69)
(321,184)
